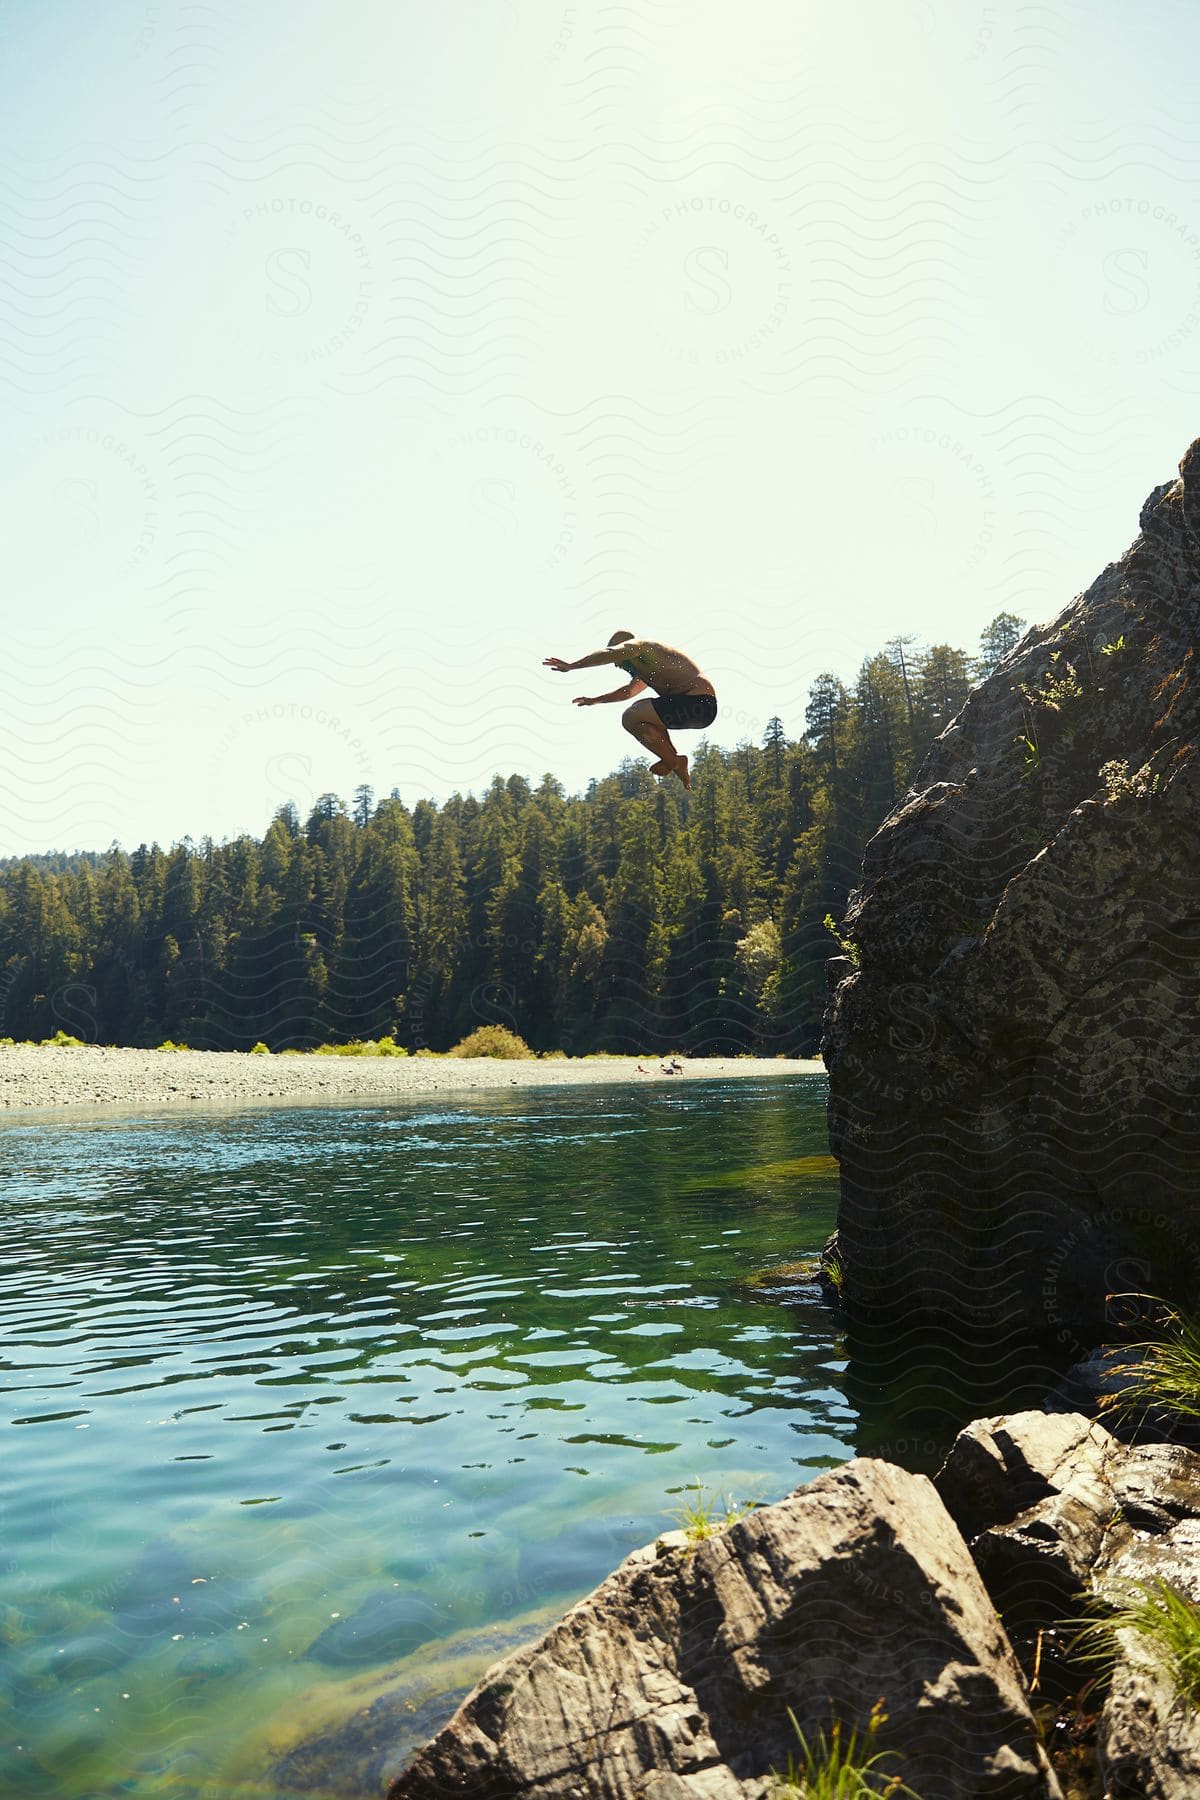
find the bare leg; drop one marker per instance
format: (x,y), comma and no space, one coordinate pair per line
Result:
(643,723)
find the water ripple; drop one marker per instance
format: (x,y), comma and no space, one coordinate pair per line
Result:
(303,1392)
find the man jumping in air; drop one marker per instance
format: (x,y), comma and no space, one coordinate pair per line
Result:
(686,698)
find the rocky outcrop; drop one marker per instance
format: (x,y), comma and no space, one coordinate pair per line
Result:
(1013,1059)
(1056,1510)
(674,1679)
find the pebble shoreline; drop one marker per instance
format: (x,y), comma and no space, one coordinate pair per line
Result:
(37,1077)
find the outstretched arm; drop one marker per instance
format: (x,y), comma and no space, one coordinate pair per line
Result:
(593,661)
(622,693)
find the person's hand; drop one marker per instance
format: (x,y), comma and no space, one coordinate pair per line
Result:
(557,664)
(584,700)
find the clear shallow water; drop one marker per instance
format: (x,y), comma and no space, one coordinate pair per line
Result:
(290,1397)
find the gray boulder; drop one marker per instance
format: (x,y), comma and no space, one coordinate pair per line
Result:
(1054,1509)
(1013,1061)
(675,1677)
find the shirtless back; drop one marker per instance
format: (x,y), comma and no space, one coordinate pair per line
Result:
(665,669)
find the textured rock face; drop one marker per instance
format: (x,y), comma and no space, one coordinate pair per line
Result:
(1055,1508)
(1014,1061)
(673,1679)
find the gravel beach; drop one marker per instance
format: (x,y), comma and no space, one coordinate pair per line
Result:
(39,1077)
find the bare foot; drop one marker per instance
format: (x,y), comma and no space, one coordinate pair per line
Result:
(680,766)
(662,767)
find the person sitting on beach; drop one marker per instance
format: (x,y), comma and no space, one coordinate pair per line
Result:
(686,701)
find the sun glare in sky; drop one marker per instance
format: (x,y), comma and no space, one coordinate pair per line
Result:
(358,358)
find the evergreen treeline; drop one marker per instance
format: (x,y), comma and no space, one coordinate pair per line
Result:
(634,917)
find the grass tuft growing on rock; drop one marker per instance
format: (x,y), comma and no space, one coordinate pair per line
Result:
(1168,1374)
(842,1764)
(707,1515)
(1165,1625)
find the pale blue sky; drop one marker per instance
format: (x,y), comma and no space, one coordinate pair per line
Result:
(357,357)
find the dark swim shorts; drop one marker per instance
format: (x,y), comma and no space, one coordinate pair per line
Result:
(685,712)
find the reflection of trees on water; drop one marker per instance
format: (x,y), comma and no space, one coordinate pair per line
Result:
(495,1249)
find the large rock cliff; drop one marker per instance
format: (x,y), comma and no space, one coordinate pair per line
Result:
(1012,1039)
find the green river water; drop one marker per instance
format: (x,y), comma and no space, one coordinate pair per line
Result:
(303,1405)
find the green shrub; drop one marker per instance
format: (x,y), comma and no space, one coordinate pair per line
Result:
(168,1045)
(493,1040)
(260,1049)
(7,1043)
(64,1041)
(384,1046)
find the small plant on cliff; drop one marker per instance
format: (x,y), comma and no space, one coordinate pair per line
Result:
(846,945)
(842,1764)
(1118,781)
(1061,686)
(1165,1626)
(700,1519)
(1028,740)
(1057,690)
(1058,686)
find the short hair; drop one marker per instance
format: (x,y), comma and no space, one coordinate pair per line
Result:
(620,637)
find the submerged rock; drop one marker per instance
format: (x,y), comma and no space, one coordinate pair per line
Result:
(163,1594)
(1056,1510)
(391,1623)
(674,1679)
(1013,1059)
(357,1760)
(384,1718)
(782,1283)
